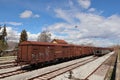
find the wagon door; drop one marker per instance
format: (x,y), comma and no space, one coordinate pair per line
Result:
(19,54)
(42,53)
(49,53)
(35,54)
(58,52)
(65,51)
(23,52)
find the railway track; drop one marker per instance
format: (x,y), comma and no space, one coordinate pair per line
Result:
(109,62)
(57,72)
(10,73)
(6,62)
(8,66)
(3,75)
(19,71)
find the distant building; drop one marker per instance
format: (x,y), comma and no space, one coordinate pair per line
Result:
(59,41)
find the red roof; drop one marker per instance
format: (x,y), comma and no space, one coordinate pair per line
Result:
(59,41)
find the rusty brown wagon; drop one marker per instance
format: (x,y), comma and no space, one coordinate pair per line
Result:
(32,52)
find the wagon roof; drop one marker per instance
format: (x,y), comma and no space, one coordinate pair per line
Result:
(42,43)
(48,43)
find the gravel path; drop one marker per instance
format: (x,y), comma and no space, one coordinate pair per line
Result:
(37,72)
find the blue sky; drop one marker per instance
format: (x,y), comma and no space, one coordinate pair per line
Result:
(60,17)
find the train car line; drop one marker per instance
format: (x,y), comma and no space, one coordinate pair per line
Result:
(32,52)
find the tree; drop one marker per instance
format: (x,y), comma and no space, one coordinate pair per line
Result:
(4,33)
(45,36)
(23,36)
(0,27)
(3,42)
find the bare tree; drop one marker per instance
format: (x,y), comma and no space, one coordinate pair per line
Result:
(44,36)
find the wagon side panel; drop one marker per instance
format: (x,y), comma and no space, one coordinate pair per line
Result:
(49,53)
(58,52)
(29,53)
(24,52)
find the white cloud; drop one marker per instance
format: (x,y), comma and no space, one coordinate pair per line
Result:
(12,35)
(91,28)
(63,15)
(28,14)
(72,37)
(36,16)
(12,23)
(95,42)
(84,3)
(91,10)
(15,23)
(32,37)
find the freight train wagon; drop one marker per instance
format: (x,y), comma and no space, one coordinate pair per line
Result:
(100,51)
(31,52)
